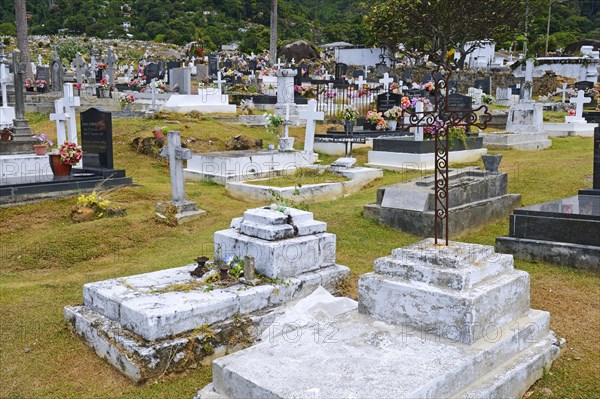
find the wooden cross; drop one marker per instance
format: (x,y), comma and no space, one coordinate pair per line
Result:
(176,155)
(80,66)
(311,115)
(386,80)
(219,81)
(110,60)
(579,101)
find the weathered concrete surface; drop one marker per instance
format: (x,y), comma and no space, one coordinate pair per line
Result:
(364,358)
(516,141)
(359,178)
(146,335)
(476,199)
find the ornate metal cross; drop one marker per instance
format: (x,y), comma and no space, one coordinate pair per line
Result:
(442,118)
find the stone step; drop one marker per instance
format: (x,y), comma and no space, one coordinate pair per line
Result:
(265,216)
(455,255)
(310,227)
(163,304)
(269,232)
(456,315)
(454,278)
(371,355)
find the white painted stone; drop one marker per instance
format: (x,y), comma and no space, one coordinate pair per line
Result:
(517,141)
(279,259)
(401,161)
(343,163)
(184,103)
(22,166)
(526,118)
(574,128)
(229,166)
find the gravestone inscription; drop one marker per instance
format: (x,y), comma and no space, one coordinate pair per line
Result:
(386,101)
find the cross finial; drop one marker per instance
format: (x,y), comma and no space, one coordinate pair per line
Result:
(361,82)
(219,82)
(279,64)
(386,81)
(579,101)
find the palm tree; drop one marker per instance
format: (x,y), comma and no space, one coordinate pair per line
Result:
(21,19)
(273,40)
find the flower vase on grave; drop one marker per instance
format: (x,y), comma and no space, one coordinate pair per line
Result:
(40,149)
(104,93)
(58,167)
(392,124)
(348,127)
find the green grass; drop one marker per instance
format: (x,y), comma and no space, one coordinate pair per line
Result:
(302,177)
(45,259)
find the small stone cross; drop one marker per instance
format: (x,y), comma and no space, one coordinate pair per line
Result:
(219,82)
(361,82)
(70,101)
(176,155)
(60,117)
(3,82)
(111,59)
(39,59)
(311,115)
(579,101)
(80,66)
(2,54)
(279,64)
(564,91)
(386,80)
(153,92)
(528,76)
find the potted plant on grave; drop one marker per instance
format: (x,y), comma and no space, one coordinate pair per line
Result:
(28,85)
(159,132)
(104,88)
(274,123)
(126,100)
(391,116)
(373,119)
(42,146)
(41,85)
(63,159)
(348,117)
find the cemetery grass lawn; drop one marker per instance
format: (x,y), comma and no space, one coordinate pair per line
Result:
(45,260)
(302,177)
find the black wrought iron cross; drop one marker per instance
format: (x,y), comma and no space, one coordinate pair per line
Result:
(441,119)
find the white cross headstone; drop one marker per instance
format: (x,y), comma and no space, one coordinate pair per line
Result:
(311,115)
(39,59)
(360,82)
(60,118)
(219,82)
(564,91)
(153,92)
(3,83)
(70,101)
(279,64)
(7,114)
(111,59)
(419,111)
(579,101)
(293,61)
(80,66)
(366,71)
(528,76)
(386,80)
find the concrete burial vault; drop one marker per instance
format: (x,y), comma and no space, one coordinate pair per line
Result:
(166,321)
(431,322)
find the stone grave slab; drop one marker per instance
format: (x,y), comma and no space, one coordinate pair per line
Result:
(366,351)
(476,198)
(156,323)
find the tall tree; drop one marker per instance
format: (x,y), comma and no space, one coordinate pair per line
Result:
(21,21)
(434,27)
(273,39)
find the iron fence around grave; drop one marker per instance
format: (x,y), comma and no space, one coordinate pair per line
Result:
(332,97)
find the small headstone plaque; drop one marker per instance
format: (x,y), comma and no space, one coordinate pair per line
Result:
(228,64)
(151,71)
(459,102)
(43,73)
(387,101)
(340,70)
(407,75)
(252,64)
(173,64)
(583,85)
(96,137)
(358,72)
(484,84)
(427,78)
(415,93)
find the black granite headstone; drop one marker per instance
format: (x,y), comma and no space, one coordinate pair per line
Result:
(415,93)
(357,73)
(460,103)
(173,64)
(484,84)
(427,78)
(228,64)
(387,101)
(213,65)
(340,70)
(583,85)
(407,75)
(42,73)
(96,138)
(161,70)
(252,64)
(151,71)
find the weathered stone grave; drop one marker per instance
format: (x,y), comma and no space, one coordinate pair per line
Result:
(452,321)
(156,323)
(476,198)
